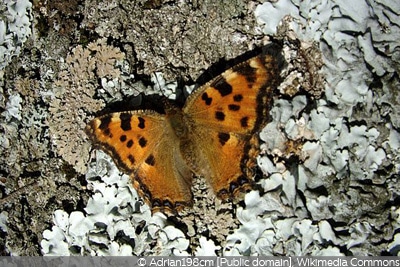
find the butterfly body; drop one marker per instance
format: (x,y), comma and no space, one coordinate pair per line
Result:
(214,135)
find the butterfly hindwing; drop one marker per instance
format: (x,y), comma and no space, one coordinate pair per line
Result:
(227,170)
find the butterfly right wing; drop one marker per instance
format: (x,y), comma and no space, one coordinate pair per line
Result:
(142,144)
(227,115)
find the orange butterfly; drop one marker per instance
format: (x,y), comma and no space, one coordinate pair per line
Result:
(214,135)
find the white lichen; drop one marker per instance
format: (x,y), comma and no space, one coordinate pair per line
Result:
(206,248)
(3,221)
(112,224)
(15,28)
(13,108)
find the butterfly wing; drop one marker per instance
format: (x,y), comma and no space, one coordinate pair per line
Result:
(142,144)
(228,113)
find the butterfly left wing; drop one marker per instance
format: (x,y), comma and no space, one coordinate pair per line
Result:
(143,145)
(228,113)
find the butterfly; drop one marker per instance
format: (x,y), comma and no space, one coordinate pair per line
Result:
(214,135)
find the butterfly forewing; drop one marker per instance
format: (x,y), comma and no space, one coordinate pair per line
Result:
(232,101)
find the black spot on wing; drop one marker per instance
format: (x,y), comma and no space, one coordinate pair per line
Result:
(150,160)
(219,115)
(125,121)
(222,86)
(247,71)
(104,124)
(108,133)
(233,107)
(129,144)
(122,138)
(131,158)
(141,123)
(244,122)
(238,98)
(142,141)
(206,99)
(223,138)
